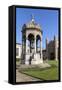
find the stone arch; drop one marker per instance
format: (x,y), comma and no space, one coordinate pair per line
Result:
(31,41)
(38,36)
(30,36)
(38,43)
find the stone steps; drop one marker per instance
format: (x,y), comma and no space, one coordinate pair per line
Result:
(43,65)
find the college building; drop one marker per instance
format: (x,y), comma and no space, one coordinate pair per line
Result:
(52,50)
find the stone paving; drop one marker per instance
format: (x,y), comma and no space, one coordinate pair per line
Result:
(24,78)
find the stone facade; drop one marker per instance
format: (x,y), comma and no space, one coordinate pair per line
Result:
(52,49)
(18,50)
(44,54)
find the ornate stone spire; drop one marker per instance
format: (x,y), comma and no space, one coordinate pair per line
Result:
(32,24)
(32,18)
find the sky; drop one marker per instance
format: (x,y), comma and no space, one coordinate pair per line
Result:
(47,19)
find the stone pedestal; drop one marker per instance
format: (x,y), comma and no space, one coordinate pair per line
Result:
(27,57)
(37,59)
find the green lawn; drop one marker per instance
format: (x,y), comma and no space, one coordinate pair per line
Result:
(46,73)
(53,63)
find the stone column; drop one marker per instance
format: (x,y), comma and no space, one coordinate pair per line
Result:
(41,48)
(34,60)
(56,50)
(22,51)
(23,46)
(47,55)
(26,54)
(26,44)
(35,44)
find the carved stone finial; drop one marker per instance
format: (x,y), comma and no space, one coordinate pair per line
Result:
(32,17)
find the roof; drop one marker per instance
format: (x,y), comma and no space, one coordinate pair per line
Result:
(31,25)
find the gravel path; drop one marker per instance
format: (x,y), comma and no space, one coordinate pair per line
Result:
(24,78)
